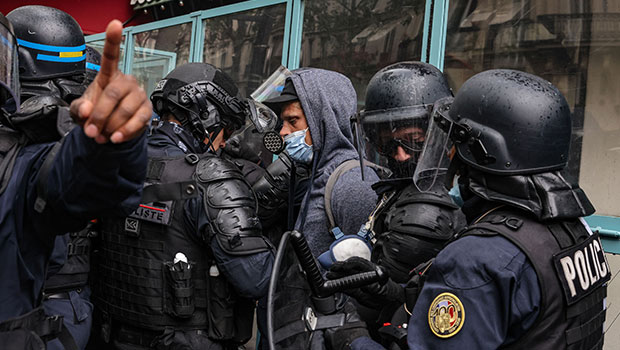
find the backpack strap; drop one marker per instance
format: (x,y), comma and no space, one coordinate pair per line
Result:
(333,178)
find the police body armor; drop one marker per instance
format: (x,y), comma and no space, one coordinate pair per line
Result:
(411,227)
(572,275)
(157,276)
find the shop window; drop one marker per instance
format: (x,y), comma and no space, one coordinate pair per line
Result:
(247,45)
(158,51)
(573,44)
(357,38)
(98,45)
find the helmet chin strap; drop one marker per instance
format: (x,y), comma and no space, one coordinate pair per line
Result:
(215,132)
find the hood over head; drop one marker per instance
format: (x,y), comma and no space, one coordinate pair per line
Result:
(328,101)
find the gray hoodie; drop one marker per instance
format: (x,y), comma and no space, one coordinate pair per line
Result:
(328,101)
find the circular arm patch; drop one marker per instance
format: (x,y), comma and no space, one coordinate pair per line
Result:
(446,315)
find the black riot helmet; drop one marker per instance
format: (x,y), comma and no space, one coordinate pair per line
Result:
(507,122)
(93,65)
(203,98)
(51,43)
(504,122)
(399,98)
(9,72)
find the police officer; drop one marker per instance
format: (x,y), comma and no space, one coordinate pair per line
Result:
(408,226)
(185,268)
(47,84)
(50,188)
(51,52)
(527,272)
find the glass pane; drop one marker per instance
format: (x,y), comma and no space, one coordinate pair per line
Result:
(246,45)
(98,45)
(573,44)
(159,51)
(357,38)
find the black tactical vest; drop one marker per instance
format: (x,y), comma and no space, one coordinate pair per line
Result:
(572,273)
(138,280)
(156,276)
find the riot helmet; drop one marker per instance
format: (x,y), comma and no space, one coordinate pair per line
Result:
(392,127)
(9,69)
(51,43)
(256,141)
(203,98)
(507,122)
(51,52)
(93,64)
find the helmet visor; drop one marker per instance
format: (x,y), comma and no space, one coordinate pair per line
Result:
(436,155)
(393,138)
(9,69)
(272,87)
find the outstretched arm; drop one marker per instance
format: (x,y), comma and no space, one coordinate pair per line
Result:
(85,176)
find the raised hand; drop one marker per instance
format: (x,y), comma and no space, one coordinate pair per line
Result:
(114,107)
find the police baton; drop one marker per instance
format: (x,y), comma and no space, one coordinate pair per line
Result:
(322,290)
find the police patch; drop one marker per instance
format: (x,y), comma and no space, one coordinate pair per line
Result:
(159,213)
(582,269)
(446,315)
(132,226)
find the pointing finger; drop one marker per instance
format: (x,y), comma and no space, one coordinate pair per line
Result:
(111,53)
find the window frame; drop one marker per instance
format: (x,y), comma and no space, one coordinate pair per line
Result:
(433,52)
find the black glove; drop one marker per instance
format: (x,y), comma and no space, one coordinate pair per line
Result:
(374,295)
(340,338)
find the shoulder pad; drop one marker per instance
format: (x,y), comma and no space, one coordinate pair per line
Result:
(425,215)
(438,196)
(214,168)
(37,118)
(231,207)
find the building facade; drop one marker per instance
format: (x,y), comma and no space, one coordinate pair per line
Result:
(573,44)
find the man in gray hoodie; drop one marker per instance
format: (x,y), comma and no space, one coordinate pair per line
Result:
(315,107)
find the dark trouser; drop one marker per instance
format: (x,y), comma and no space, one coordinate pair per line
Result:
(77,310)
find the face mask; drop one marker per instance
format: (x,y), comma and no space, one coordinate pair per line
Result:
(297,147)
(455,193)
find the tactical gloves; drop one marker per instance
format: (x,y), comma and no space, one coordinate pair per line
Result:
(374,295)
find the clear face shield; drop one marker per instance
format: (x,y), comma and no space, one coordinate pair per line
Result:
(266,121)
(9,71)
(273,86)
(393,138)
(438,151)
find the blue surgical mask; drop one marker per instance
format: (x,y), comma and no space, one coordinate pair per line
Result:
(455,193)
(297,147)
